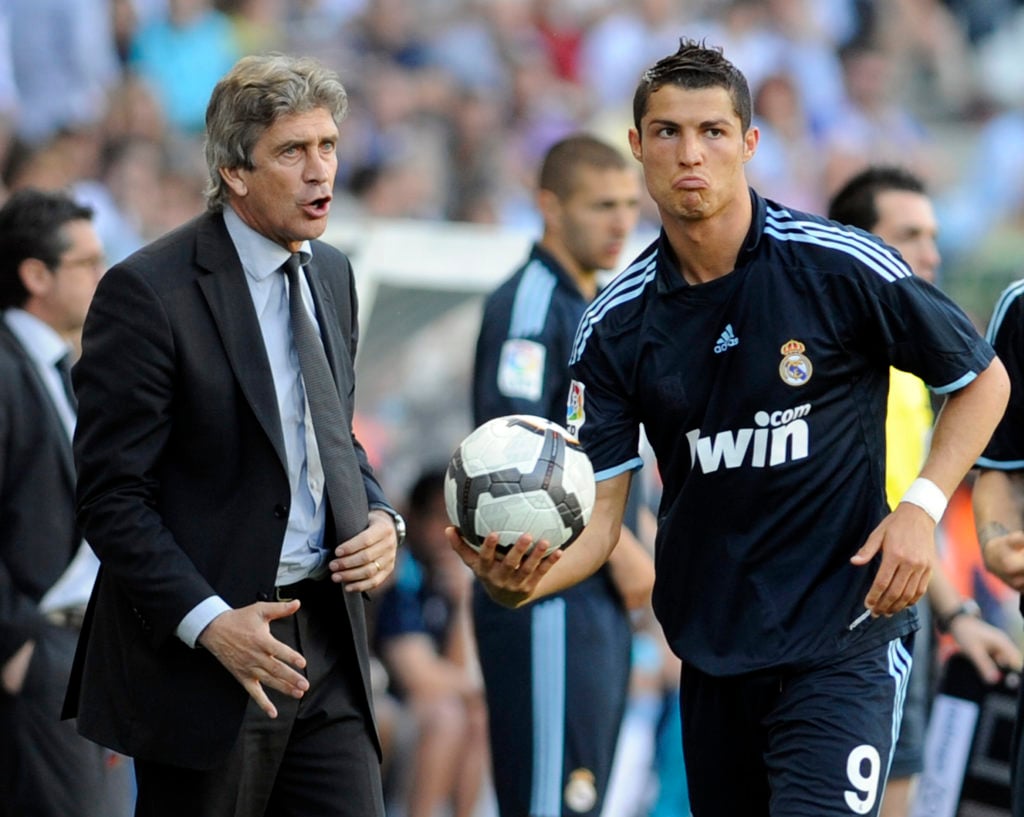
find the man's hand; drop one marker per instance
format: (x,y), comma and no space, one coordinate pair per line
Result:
(906,539)
(990,649)
(510,579)
(367,559)
(241,640)
(14,670)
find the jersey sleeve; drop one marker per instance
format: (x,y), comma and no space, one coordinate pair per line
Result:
(1005,451)
(922,331)
(599,413)
(518,374)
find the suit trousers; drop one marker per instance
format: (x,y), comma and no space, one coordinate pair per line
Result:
(53,771)
(316,759)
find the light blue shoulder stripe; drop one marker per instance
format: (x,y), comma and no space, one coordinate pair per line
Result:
(548,691)
(780,224)
(783,226)
(533,297)
(625,287)
(1000,465)
(1006,299)
(629,465)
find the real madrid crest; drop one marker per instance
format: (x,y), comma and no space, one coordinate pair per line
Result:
(580,791)
(795,368)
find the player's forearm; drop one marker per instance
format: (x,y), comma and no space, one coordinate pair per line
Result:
(945,599)
(583,557)
(998,499)
(964,427)
(632,570)
(998,504)
(596,544)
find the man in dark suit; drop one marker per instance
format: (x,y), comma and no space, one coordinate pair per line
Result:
(236,517)
(50,261)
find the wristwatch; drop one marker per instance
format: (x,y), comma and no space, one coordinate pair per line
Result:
(398,519)
(968,607)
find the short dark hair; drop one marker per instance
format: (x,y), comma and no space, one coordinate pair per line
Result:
(695,65)
(424,492)
(32,226)
(856,202)
(564,158)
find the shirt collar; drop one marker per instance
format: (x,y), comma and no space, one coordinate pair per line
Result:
(42,342)
(671,279)
(260,256)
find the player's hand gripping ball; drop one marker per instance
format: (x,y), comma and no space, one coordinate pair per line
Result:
(519,474)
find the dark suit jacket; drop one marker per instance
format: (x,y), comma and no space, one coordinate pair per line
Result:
(183,487)
(38,535)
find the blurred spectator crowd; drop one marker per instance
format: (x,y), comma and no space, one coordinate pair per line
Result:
(454,101)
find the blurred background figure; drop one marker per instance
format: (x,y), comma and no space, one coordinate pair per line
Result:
(181,56)
(556,673)
(51,259)
(65,65)
(425,639)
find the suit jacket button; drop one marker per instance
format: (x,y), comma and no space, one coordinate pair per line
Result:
(281,511)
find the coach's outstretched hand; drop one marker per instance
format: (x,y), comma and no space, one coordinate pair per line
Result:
(510,579)
(241,640)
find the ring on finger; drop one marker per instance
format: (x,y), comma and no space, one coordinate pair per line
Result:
(377,565)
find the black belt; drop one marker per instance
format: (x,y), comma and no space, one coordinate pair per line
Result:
(68,617)
(301,590)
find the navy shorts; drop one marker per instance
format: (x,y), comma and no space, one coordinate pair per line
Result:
(908,758)
(813,741)
(556,674)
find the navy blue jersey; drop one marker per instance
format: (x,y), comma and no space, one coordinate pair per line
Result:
(522,354)
(1005,451)
(763,396)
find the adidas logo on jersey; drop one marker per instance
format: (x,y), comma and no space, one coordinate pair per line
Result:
(726,340)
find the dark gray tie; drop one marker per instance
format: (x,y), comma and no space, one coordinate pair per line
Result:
(64,368)
(342,476)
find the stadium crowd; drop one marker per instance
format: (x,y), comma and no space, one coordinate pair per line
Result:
(454,103)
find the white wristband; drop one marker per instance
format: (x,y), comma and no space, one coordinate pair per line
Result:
(928,496)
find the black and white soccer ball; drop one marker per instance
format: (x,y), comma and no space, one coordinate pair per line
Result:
(520,474)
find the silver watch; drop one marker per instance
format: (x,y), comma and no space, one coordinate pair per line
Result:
(399,521)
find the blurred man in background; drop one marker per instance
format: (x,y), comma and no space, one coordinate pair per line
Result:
(425,639)
(51,259)
(556,674)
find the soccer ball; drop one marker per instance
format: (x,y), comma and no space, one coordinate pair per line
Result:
(519,474)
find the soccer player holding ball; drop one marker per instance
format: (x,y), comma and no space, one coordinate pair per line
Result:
(753,342)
